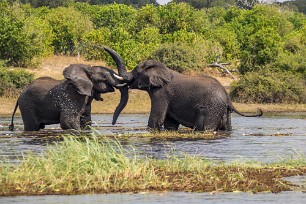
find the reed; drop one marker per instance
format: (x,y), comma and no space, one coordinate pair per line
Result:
(94,164)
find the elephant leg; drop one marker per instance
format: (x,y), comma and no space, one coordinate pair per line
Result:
(42,126)
(225,123)
(157,115)
(86,118)
(30,121)
(31,126)
(208,119)
(228,123)
(171,124)
(70,121)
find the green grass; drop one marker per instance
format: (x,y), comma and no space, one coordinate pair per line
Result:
(93,164)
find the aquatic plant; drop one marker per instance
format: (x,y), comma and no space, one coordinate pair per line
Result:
(90,164)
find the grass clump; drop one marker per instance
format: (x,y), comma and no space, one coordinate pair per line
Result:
(89,165)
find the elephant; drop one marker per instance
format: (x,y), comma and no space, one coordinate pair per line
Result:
(200,103)
(49,101)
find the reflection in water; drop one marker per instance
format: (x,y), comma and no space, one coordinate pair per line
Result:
(265,139)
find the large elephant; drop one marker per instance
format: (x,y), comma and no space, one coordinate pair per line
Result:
(201,103)
(68,102)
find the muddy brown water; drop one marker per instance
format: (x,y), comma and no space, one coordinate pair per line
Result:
(266,139)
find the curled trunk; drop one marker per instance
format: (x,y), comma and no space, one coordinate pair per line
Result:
(123,89)
(123,101)
(120,64)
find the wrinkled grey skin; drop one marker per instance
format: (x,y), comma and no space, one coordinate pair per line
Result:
(68,102)
(201,103)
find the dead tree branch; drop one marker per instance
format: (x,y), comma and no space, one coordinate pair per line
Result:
(221,65)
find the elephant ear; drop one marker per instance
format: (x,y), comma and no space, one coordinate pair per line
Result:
(155,74)
(77,74)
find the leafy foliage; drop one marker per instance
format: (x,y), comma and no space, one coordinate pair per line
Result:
(269,87)
(186,36)
(179,57)
(69,25)
(57,3)
(12,82)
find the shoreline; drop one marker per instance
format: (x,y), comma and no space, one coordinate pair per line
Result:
(139,103)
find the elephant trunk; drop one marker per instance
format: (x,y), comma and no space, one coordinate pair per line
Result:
(120,64)
(123,101)
(123,88)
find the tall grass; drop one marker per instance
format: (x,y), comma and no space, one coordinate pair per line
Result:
(88,164)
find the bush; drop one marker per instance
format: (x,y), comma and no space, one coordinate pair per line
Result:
(112,16)
(12,82)
(132,48)
(179,56)
(175,17)
(23,40)
(69,26)
(274,87)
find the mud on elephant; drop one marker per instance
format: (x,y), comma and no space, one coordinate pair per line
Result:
(201,103)
(68,102)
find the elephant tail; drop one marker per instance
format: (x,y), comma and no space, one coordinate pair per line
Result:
(247,115)
(11,127)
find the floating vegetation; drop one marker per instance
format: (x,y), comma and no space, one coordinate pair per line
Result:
(95,164)
(277,134)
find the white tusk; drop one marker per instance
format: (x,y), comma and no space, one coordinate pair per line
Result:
(118,77)
(121,85)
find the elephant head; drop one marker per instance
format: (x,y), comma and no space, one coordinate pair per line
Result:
(145,76)
(149,74)
(94,80)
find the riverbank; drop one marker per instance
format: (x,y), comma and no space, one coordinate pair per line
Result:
(139,101)
(95,164)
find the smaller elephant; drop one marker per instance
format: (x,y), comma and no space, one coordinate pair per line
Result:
(49,101)
(201,103)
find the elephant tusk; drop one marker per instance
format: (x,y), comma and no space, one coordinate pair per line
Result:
(118,77)
(121,85)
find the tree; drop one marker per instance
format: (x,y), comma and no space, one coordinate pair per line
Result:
(57,3)
(22,38)
(69,26)
(301,5)
(199,4)
(48,3)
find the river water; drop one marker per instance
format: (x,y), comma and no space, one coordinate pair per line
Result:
(266,139)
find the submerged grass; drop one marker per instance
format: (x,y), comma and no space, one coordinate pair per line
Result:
(91,165)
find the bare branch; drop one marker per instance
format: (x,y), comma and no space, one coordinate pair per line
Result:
(221,65)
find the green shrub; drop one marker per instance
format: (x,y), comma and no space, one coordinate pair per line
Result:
(112,16)
(292,62)
(274,87)
(179,56)
(23,38)
(13,81)
(69,26)
(91,40)
(175,17)
(262,48)
(131,48)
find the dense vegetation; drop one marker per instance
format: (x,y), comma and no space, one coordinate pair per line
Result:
(266,43)
(12,81)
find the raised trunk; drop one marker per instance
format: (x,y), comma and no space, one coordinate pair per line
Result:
(120,64)
(124,90)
